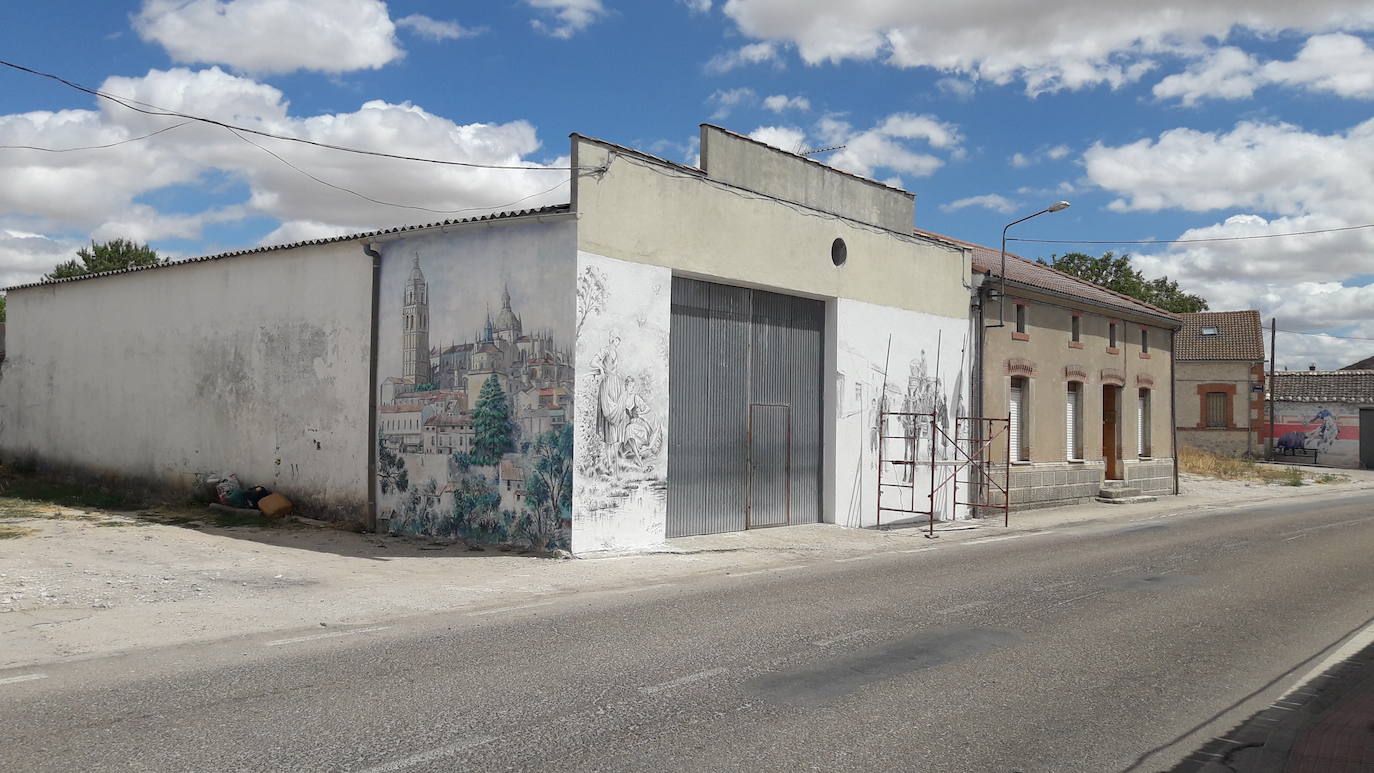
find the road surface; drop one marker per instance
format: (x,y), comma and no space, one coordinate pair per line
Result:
(1112,646)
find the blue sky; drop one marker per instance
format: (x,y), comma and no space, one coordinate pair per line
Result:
(1163,120)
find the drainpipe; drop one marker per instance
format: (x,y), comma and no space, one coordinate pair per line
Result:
(372,386)
(980,296)
(1173,406)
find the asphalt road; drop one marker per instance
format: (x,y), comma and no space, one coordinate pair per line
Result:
(1103,647)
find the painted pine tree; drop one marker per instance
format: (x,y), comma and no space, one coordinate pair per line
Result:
(493,432)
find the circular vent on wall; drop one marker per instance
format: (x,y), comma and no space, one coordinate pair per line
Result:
(839,253)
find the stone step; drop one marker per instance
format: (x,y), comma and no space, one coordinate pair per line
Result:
(1126,500)
(1118,493)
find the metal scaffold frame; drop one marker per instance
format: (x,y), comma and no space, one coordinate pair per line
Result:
(972,443)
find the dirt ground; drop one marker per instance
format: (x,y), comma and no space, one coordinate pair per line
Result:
(81,581)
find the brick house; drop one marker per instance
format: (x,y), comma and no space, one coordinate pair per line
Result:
(1219,397)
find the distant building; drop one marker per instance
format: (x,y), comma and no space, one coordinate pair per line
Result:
(1326,413)
(1219,389)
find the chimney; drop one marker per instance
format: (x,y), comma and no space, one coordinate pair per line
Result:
(1313,366)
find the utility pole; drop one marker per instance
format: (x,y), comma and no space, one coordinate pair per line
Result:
(1269,388)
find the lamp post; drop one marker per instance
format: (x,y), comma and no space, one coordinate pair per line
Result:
(1002,292)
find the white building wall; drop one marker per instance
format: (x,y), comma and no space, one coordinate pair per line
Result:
(895,360)
(256,364)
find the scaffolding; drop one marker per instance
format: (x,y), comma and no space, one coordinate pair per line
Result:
(967,469)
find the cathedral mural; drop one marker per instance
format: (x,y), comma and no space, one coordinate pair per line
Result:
(475,403)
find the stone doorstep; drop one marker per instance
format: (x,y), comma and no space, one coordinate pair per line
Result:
(1133,500)
(1119,492)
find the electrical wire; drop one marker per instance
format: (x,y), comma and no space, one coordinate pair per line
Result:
(1194,241)
(96,147)
(149,109)
(365,197)
(1325,335)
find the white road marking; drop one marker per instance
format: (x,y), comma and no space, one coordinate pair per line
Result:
(23,678)
(843,637)
(329,635)
(986,540)
(855,558)
(962,607)
(767,571)
(499,610)
(430,756)
(697,677)
(644,587)
(919,550)
(1325,526)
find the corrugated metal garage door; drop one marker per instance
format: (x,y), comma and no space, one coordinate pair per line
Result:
(744,434)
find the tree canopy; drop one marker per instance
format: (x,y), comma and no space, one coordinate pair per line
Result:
(493,432)
(1115,272)
(109,256)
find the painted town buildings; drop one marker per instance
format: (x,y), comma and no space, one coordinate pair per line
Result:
(1220,383)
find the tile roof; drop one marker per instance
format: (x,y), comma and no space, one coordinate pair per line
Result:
(549,210)
(1365,364)
(1239,336)
(987,260)
(1323,386)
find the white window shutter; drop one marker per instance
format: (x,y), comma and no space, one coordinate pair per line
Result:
(1071,422)
(1140,426)
(1014,427)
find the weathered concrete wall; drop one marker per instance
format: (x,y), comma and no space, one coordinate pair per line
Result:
(621,470)
(475,342)
(256,364)
(738,160)
(644,211)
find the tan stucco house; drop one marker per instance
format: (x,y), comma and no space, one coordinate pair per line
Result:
(1219,388)
(1083,373)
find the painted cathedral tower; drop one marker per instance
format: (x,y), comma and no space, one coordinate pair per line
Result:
(415,325)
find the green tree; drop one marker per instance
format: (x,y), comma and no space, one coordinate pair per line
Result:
(548,490)
(493,432)
(110,256)
(2,308)
(1116,273)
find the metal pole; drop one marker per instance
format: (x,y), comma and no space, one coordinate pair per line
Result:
(932,476)
(1006,494)
(1269,388)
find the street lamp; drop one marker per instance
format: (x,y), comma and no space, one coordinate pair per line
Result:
(1002,293)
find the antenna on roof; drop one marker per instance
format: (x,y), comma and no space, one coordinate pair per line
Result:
(801,152)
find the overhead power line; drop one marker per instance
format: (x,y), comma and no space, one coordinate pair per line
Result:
(96,147)
(149,109)
(1325,335)
(1193,241)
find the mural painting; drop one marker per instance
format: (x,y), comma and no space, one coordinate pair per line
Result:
(1331,430)
(475,409)
(898,361)
(622,403)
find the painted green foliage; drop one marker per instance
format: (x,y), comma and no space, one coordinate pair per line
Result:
(391,470)
(493,431)
(548,490)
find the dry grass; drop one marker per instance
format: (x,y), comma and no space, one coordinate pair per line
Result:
(1197,462)
(14,532)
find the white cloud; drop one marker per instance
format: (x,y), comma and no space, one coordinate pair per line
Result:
(885,145)
(754,53)
(98,194)
(990,201)
(1337,64)
(569,17)
(435,29)
(26,257)
(697,6)
(786,138)
(957,88)
(1281,180)
(1066,45)
(781,103)
(1054,153)
(726,100)
(273,36)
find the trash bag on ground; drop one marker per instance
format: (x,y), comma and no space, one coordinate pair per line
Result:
(230,491)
